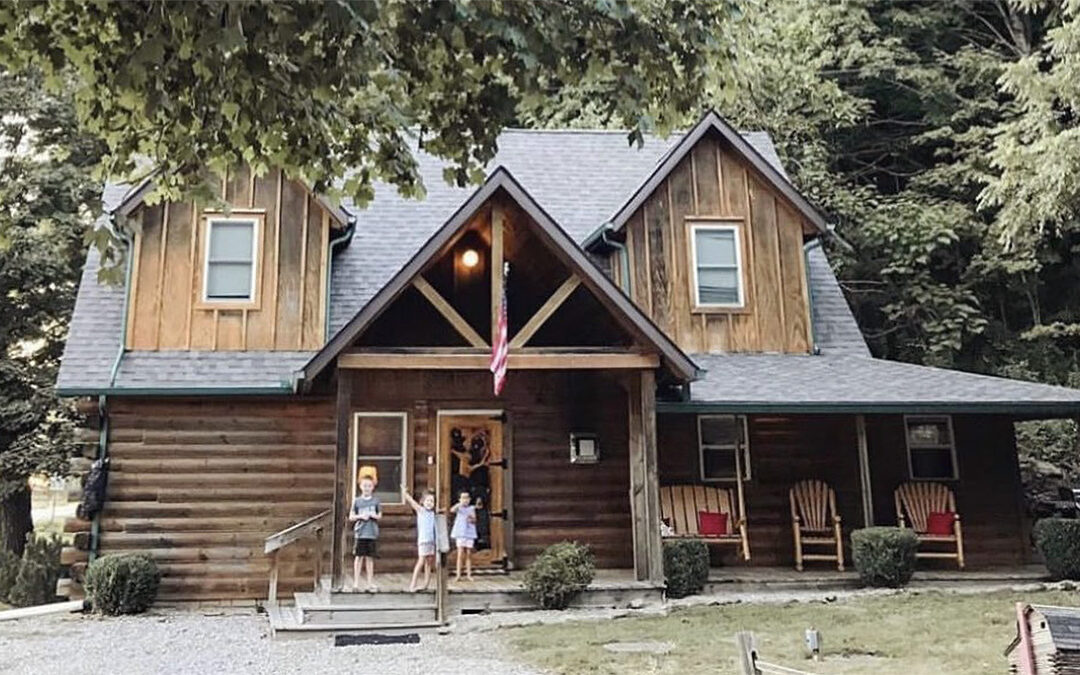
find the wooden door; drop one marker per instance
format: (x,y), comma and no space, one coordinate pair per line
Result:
(471,459)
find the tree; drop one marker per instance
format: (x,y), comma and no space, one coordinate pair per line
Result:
(338,93)
(48,200)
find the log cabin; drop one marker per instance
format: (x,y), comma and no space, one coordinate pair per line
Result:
(673,322)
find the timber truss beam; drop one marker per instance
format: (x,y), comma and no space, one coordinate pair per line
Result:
(519,359)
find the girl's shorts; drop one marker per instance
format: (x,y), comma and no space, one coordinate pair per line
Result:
(425,549)
(465,543)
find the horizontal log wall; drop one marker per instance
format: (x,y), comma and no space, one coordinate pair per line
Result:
(712,182)
(199,484)
(167,277)
(785,449)
(552,499)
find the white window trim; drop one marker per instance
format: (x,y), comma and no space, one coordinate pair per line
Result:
(745,455)
(357,457)
(952,447)
(735,228)
(256,233)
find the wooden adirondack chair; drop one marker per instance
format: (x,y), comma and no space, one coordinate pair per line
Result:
(815,521)
(680,505)
(915,502)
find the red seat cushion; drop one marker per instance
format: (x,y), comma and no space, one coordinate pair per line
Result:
(940,522)
(712,524)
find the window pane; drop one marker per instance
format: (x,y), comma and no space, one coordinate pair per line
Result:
(715,247)
(388,488)
(228,280)
(718,286)
(378,436)
(720,430)
(931,463)
(231,240)
(928,431)
(719,463)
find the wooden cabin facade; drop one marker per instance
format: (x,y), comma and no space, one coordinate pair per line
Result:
(672,321)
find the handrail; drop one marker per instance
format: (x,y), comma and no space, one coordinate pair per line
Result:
(296,531)
(312,526)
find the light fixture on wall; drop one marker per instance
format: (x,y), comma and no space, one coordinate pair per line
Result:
(470,258)
(584,448)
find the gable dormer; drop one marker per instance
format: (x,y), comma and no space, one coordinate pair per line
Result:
(253,277)
(713,247)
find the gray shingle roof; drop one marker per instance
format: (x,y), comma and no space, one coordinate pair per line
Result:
(848,382)
(835,329)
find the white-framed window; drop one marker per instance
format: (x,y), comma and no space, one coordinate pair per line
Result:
(723,447)
(931,447)
(381,440)
(717,265)
(231,259)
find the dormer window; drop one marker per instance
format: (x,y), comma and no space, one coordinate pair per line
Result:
(232,253)
(717,270)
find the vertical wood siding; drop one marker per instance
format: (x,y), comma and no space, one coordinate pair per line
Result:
(167,276)
(711,182)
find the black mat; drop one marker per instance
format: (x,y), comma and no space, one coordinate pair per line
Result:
(376,639)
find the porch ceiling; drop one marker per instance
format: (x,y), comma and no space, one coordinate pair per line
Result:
(842,383)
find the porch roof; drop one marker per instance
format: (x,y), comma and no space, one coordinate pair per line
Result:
(840,382)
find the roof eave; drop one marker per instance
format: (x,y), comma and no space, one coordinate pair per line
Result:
(1018,409)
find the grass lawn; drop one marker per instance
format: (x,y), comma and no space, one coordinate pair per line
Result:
(903,634)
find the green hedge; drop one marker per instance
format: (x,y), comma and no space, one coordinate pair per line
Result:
(884,556)
(559,573)
(39,570)
(9,570)
(122,584)
(1058,540)
(686,567)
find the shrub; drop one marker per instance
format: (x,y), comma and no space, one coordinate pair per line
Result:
(884,556)
(1058,540)
(9,569)
(122,584)
(686,567)
(559,573)
(38,571)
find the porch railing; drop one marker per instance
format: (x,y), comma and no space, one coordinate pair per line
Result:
(309,527)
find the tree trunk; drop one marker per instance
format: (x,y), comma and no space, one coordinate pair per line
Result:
(15,520)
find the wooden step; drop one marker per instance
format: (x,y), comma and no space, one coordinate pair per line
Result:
(284,624)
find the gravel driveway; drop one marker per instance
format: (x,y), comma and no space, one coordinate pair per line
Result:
(197,643)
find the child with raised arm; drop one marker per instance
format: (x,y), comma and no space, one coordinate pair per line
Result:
(365,514)
(425,535)
(464,532)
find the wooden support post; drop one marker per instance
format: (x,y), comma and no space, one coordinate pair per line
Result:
(317,572)
(644,479)
(864,471)
(498,221)
(342,478)
(271,595)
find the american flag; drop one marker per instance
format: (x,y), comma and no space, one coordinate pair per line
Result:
(500,346)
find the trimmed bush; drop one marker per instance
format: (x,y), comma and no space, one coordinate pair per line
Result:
(686,567)
(1058,540)
(122,584)
(559,573)
(9,569)
(38,572)
(884,556)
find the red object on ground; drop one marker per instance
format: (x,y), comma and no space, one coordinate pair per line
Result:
(712,524)
(940,522)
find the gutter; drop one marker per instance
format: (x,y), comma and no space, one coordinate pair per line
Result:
(1015,409)
(283,388)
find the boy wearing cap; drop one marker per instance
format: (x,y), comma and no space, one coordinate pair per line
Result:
(364,515)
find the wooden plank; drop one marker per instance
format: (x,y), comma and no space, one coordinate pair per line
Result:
(768,309)
(544,313)
(324,287)
(342,476)
(314,252)
(793,281)
(290,265)
(656,235)
(304,528)
(498,224)
(258,332)
(517,361)
(636,450)
(146,303)
(689,330)
(203,320)
(449,313)
(710,200)
(639,265)
(302,269)
(653,544)
(42,610)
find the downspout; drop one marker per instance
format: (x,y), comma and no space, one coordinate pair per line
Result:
(341,240)
(625,283)
(103,404)
(807,248)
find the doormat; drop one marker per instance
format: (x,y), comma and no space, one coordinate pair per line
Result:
(376,639)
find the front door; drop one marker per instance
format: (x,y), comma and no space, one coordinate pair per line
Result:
(471,460)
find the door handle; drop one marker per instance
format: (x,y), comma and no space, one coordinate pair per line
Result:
(502,463)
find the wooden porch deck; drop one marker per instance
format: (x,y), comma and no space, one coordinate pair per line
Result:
(736,579)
